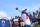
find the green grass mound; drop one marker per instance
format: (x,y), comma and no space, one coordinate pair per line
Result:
(37,26)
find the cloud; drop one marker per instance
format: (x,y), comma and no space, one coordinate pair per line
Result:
(3,14)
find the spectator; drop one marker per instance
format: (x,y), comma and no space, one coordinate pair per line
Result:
(39,9)
(39,15)
(12,22)
(36,15)
(31,17)
(21,22)
(16,22)
(29,14)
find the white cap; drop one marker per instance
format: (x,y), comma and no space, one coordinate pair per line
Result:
(24,9)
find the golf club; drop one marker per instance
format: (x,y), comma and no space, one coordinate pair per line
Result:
(18,9)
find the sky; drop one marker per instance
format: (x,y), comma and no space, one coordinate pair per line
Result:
(7,7)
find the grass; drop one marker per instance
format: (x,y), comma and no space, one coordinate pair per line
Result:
(37,26)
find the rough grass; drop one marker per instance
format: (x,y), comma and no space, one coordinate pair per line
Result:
(37,26)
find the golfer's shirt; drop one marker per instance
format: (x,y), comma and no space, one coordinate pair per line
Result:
(26,19)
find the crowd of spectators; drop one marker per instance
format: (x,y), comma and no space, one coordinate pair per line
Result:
(34,18)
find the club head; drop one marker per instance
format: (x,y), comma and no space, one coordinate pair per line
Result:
(16,8)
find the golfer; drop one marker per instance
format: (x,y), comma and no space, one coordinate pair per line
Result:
(25,18)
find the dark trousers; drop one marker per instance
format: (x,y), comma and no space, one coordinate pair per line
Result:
(12,25)
(27,26)
(19,25)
